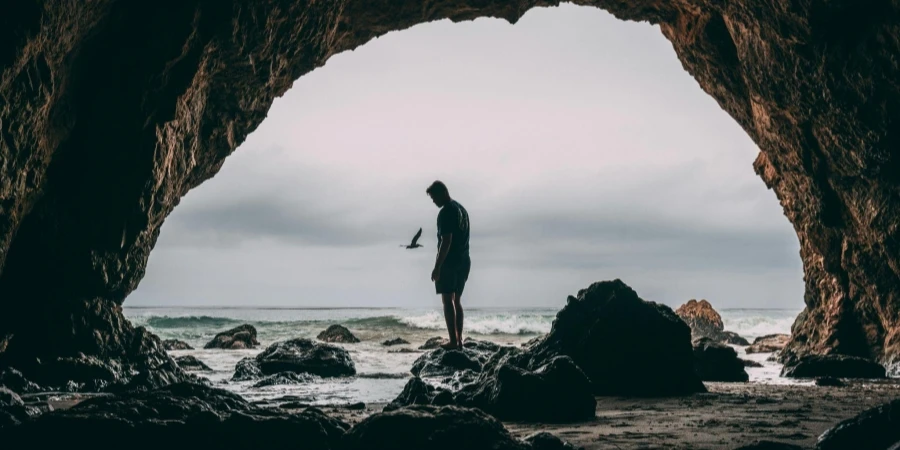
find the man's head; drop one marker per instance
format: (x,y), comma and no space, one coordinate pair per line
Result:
(438,193)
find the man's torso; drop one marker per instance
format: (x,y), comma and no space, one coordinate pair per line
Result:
(454,219)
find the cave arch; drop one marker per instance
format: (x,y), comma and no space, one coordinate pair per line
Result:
(111,111)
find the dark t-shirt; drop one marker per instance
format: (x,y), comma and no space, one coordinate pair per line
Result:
(454,219)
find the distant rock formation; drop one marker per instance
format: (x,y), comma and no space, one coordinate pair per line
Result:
(338,334)
(768,343)
(706,322)
(175,344)
(301,356)
(395,341)
(715,361)
(240,337)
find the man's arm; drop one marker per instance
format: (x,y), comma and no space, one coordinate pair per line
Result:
(446,239)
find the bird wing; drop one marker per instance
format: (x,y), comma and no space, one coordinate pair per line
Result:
(416,237)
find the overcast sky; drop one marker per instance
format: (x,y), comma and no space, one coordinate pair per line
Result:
(579,145)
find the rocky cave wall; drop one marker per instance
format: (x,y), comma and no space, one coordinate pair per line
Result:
(112,110)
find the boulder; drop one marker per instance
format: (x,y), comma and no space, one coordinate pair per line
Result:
(555,392)
(442,362)
(180,416)
(246,369)
(433,343)
(404,350)
(874,429)
(337,334)
(706,322)
(283,378)
(299,356)
(768,343)
(417,392)
(625,345)
(829,381)
(834,365)
(175,344)
(750,363)
(715,361)
(435,428)
(188,362)
(395,341)
(240,337)
(12,409)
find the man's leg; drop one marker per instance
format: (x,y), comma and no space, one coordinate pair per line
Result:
(457,305)
(450,317)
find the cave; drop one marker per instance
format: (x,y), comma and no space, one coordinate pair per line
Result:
(112,111)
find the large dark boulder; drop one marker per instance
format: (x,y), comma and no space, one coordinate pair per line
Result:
(240,337)
(715,361)
(188,362)
(769,343)
(436,428)
(175,344)
(625,345)
(180,416)
(839,366)
(298,356)
(706,322)
(874,429)
(337,334)
(442,362)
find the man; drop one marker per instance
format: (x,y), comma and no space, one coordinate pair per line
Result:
(451,267)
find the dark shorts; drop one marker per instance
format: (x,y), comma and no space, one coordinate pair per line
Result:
(453,277)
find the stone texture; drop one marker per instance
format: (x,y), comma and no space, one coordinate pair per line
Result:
(395,341)
(769,343)
(705,322)
(175,344)
(188,362)
(442,362)
(91,166)
(180,416)
(840,366)
(714,361)
(433,343)
(300,356)
(875,429)
(240,337)
(337,334)
(624,344)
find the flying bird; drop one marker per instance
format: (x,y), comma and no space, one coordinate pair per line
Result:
(414,243)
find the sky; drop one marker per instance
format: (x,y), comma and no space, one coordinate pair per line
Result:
(578,144)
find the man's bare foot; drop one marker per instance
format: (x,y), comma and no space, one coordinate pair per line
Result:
(450,346)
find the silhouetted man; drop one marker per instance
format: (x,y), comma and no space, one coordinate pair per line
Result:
(451,268)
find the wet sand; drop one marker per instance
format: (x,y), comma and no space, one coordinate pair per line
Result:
(730,415)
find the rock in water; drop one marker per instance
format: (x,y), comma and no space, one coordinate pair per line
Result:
(189,362)
(715,361)
(337,334)
(433,343)
(298,356)
(435,428)
(283,378)
(706,322)
(874,429)
(180,416)
(240,337)
(175,344)
(625,345)
(750,363)
(768,343)
(395,341)
(841,366)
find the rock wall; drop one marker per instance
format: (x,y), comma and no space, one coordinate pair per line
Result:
(112,110)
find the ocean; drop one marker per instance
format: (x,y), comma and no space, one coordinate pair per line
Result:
(382,374)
